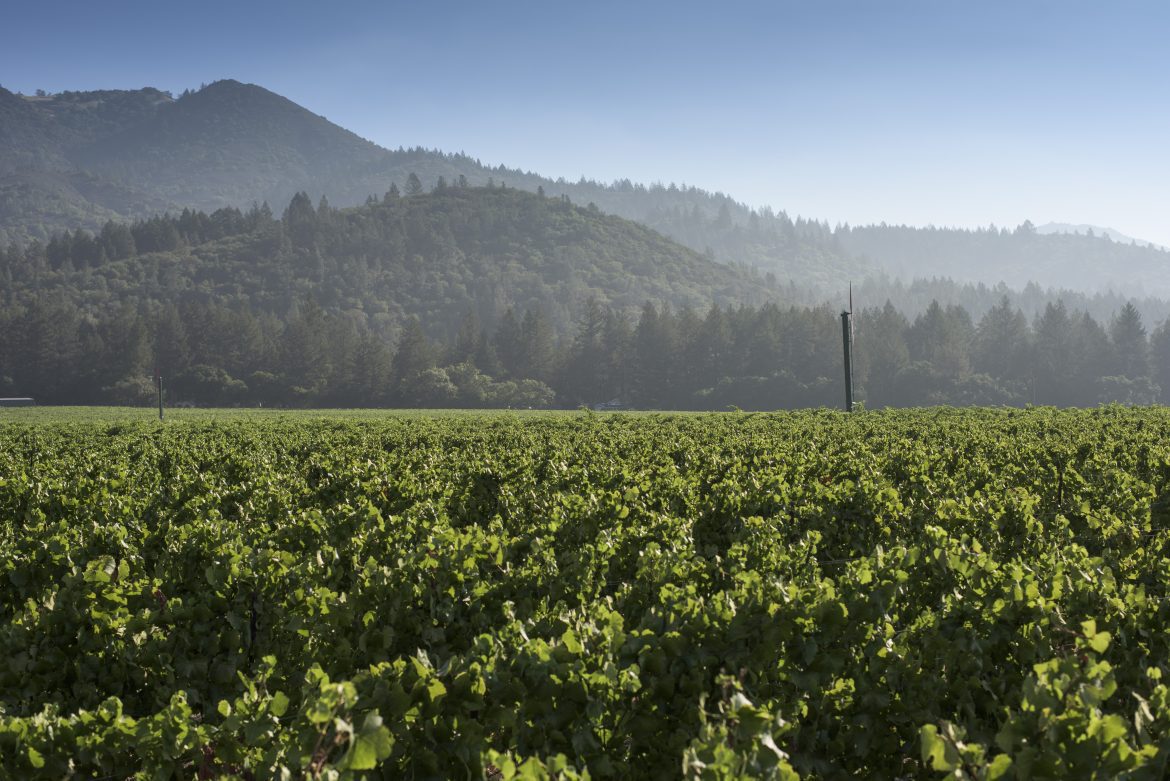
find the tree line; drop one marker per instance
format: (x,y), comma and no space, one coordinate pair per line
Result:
(491,297)
(433,256)
(765,357)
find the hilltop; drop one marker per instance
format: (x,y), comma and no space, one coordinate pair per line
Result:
(1094,230)
(432,256)
(78,159)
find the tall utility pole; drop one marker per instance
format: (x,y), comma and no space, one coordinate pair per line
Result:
(158,383)
(847,343)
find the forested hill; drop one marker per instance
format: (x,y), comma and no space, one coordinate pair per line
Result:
(1015,257)
(230,144)
(77,159)
(497,297)
(436,256)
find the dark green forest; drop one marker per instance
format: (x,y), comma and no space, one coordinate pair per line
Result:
(434,256)
(493,297)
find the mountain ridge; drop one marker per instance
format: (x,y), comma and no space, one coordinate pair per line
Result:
(1084,229)
(79,159)
(221,145)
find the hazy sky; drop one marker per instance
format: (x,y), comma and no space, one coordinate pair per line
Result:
(933,112)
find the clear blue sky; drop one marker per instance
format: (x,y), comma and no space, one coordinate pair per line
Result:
(933,112)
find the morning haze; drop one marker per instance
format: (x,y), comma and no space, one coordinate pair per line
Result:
(541,391)
(528,205)
(915,113)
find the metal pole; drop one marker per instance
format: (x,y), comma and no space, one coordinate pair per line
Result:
(846,341)
(158,381)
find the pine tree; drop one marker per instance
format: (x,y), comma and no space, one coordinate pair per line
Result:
(466,341)
(583,380)
(1160,359)
(509,344)
(1092,361)
(881,354)
(413,357)
(654,356)
(1002,344)
(539,351)
(300,220)
(308,352)
(1055,356)
(941,338)
(1129,343)
(170,341)
(710,357)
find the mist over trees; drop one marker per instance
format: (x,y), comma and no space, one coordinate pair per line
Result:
(432,256)
(77,159)
(767,357)
(80,159)
(1015,257)
(385,305)
(465,284)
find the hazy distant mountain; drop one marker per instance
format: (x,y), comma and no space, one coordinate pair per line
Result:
(45,132)
(77,159)
(42,189)
(1093,230)
(1017,257)
(231,143)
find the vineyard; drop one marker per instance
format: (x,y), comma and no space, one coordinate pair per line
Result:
(920,594)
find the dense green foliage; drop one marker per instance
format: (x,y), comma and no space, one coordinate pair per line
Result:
(977,594)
